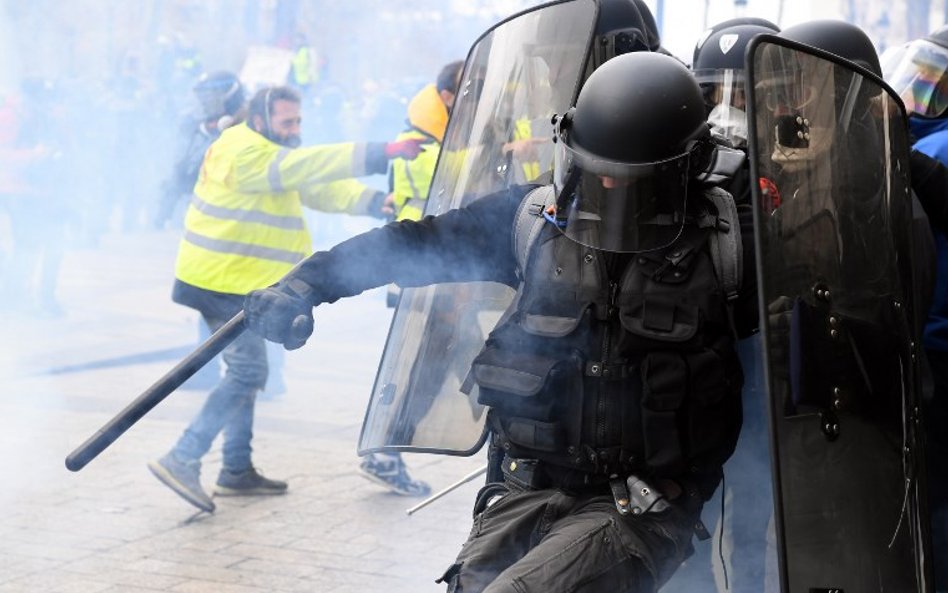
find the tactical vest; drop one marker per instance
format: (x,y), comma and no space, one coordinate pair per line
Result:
(629,371)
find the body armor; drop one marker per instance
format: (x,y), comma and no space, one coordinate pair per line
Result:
(615,363)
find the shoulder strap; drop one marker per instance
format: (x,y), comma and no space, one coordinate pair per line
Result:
(726,249)
(529,222)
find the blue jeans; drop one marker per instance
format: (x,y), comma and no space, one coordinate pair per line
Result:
(230,405)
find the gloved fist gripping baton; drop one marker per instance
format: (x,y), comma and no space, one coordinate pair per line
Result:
(282,313)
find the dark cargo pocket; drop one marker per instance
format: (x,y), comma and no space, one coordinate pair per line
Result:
(664,388)
(513,382)
(709,380)
(713,414)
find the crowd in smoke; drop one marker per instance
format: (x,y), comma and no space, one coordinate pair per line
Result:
(93,97)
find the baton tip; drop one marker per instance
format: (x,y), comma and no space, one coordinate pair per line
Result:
(73,464)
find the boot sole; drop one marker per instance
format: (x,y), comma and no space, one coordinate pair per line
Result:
(168,479)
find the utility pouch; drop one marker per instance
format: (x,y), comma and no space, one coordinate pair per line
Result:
(525,474)
(643,498)
(520,384)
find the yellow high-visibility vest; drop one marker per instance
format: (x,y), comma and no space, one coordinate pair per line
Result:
(304,68)
(244,228)
(411,180)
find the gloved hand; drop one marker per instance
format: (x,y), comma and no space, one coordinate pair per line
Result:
(282,313)
(405,149)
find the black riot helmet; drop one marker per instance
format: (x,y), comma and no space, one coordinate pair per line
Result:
(718,67)
(736,22)
(918,71)
(220,94)
(652,34)
(621,28)
(625,153)
(837,37)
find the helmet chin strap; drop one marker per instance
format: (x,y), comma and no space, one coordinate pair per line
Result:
(562,200)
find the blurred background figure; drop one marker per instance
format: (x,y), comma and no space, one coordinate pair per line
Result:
(34,137)
(221,99)
(131,120)
(222,104)
(306,67)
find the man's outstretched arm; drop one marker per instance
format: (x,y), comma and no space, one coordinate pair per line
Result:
(466,244)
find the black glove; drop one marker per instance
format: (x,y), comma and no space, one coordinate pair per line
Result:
(282,313)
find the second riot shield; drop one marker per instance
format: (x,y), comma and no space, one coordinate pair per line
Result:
(832,217)
(516,77)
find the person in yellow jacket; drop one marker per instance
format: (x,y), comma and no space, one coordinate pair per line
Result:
(428,114)
(243,231)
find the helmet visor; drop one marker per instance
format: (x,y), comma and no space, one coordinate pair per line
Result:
(917,74)
(723,92)
(621,207)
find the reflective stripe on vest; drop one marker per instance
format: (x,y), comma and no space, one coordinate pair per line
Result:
(273,173)
(246,249)
(294,223)
(411,180)
(236,250)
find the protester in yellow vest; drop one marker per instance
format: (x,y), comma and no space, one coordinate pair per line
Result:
(244,230)
(305,65)
(428,115)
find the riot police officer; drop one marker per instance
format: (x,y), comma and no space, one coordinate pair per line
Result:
(718,66)
(613,381)
(919,73)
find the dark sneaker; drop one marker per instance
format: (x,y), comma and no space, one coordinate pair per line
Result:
(392,473)
(247,483)
(184,477)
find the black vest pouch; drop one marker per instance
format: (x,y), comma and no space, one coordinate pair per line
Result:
(553,312)
(664,388)
(657,302)
(528,395)
(660,319)
(549,326)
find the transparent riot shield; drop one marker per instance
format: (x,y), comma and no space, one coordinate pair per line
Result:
(516,77)
(832,217)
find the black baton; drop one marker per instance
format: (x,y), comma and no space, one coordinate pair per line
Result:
(161,389)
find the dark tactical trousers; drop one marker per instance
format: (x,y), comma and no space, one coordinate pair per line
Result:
(545,541)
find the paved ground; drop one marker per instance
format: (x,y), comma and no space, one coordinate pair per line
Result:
(113,528)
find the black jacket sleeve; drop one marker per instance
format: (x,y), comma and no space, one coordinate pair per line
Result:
(466,244)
